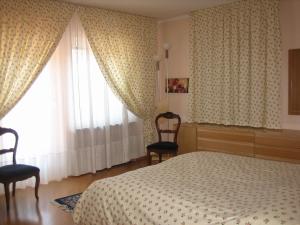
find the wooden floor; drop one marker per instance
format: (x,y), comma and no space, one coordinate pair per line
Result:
(26,211)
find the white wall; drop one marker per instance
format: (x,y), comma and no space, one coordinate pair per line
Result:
(176,32)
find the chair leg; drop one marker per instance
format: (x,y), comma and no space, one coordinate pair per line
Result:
(149,157)
(6,189)
(14,189)
(160,157)
(37,183)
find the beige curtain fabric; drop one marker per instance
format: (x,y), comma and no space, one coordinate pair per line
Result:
(124,46)
(29,33)
(235,73)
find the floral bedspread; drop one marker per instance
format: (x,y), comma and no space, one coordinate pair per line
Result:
(196,188)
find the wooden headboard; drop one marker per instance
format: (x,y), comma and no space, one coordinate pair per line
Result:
(282,145)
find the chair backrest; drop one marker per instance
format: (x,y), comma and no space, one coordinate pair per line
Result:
(14,149)
(168,116)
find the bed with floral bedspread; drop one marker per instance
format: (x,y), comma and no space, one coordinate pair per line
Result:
(196,188)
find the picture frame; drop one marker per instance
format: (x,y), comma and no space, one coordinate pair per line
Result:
(177,85)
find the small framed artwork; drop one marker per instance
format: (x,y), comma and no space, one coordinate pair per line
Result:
(177,85)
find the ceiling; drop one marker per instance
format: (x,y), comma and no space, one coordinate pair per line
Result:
(161,9)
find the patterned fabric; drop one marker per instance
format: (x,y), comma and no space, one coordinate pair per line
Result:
(196,188)
(124,46)
(30,31)
(235,73)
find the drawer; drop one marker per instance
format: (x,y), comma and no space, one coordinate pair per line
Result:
(238,148)
(277,142)
(271,152)
(284,138)
(187,139)
(226,135)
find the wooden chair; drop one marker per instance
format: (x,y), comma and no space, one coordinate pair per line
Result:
(16,172)
(164,147)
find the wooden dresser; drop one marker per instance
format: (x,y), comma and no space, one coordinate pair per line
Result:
(283,145)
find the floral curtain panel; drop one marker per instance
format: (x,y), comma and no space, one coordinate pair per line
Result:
(124,46)
(29,33)
(235,73)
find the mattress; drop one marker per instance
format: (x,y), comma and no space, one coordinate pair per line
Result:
(196,188)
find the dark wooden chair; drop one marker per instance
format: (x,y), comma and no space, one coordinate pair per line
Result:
(164,147)
(16,172)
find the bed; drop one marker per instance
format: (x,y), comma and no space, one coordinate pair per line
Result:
(196,188)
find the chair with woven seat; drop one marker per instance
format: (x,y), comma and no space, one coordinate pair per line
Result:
(16,172)
(164,147)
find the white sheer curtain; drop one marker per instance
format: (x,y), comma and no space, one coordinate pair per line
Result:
(70,122)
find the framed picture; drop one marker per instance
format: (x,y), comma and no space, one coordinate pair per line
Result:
(177,85)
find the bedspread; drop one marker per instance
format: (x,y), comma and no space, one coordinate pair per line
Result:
(196,188)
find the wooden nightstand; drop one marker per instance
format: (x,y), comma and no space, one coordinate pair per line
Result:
(187,138)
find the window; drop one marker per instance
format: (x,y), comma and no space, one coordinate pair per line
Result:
(69,121)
